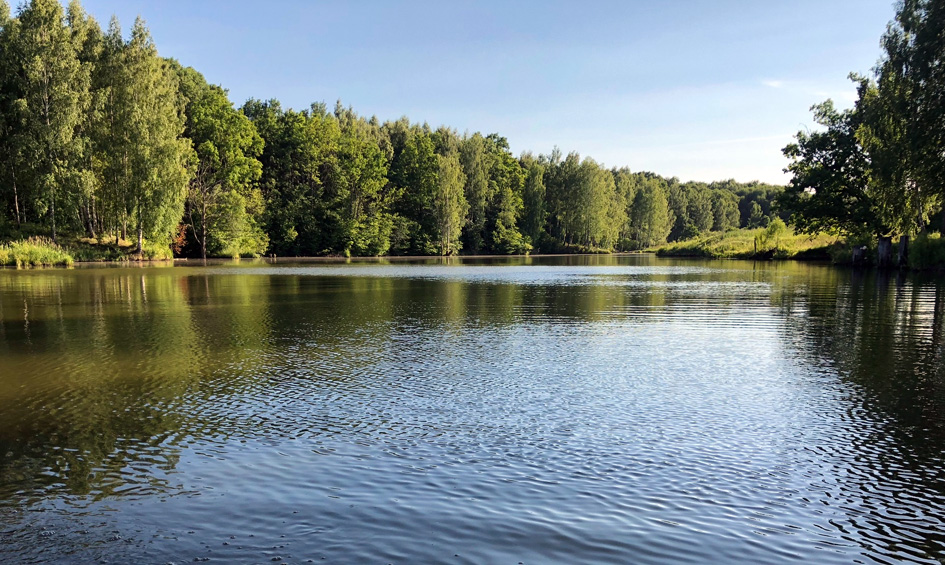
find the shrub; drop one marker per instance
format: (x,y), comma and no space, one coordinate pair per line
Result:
(770,239)
(156,251)
(927,252)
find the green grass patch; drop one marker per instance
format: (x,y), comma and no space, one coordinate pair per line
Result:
(41,251)
(776,242)
(34,252)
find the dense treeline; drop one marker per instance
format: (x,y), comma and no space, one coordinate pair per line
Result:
(100,135)
(878,169)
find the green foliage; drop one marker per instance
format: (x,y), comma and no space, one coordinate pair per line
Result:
(53,89)
(449,204)
(477,190)
(651,217)
(302,212)
(506,182)
(876,169)
(414,172)
(534,212)
(927,251)
(156,251)
(145,162)
(757,218)
(234,231)
(725,215)
(360,176)
(34,252)
(770,237)
(829,189)
(224,204)
(372,236)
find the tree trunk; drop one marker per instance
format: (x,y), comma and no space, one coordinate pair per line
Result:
(86,212)
(857,257)
(140,229)
(96,226)
(203,230)
(16,198)
(884,252)
(904,252)
(54,219)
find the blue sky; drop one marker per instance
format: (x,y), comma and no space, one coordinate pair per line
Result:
(702,90)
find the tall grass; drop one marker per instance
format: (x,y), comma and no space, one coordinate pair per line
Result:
(778,243)
(34,252)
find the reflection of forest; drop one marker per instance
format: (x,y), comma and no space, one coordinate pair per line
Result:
(109,373)
(883,332)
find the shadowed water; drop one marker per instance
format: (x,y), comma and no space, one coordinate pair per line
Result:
(542,410)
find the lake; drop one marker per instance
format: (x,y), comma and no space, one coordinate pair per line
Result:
(585,409)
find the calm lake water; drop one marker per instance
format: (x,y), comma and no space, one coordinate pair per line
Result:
(543,410)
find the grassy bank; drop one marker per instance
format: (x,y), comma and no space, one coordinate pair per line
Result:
(34,252)
(926,251)
(40,251)
(761,243)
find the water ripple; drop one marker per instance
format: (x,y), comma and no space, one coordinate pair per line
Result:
(623,413)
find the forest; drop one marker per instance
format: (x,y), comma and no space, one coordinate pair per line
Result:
(102,138)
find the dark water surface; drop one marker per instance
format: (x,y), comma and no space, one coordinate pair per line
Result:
(544,410)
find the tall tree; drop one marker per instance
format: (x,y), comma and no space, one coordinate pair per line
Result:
(85,183)
(829,189)
(361,177)
(902,116)
(147,156)
(651,218)
(626,184)
(54,87)
(699,209)
(477,190)
(449,204)
(506,181)
(299,159)
(223,200)
(534,206)
(11,118)
(724,210)
(414,172)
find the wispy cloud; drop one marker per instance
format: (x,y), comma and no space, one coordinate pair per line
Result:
(773,83)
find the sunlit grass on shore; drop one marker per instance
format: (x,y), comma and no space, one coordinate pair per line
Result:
(40,251)
(34,252)
(752,243)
